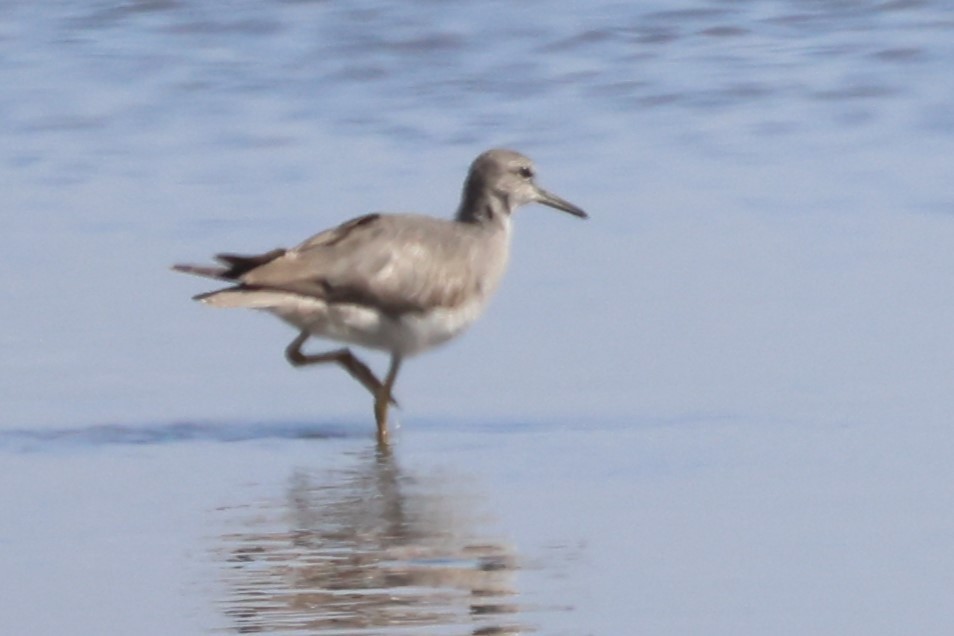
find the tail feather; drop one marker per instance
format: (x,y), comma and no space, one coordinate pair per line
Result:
(247,297)
(233,268)
(235,265)
(240,264)
(200,270)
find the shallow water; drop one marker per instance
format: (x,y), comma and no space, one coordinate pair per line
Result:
(720,527)
(721,405)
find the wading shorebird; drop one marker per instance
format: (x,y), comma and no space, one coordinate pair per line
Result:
(400,283)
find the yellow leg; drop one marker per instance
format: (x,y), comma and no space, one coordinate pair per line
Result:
(383,399)
(358,369)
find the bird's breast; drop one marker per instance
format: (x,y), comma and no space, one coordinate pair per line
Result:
(414,332)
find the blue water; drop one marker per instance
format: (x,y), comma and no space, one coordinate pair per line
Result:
(743,358)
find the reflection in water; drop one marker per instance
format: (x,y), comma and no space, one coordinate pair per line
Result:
(367,548)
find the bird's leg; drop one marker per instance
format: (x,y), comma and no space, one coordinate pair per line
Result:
(383,398)
(358,369)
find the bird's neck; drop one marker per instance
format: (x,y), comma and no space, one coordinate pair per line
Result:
(481,206)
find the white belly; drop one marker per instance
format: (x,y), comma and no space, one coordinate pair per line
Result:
(408,334)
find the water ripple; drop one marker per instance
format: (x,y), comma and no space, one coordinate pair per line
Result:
(23,440)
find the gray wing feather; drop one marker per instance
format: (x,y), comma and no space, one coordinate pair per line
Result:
(396,262)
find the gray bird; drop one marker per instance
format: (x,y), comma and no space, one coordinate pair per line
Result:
(401,283)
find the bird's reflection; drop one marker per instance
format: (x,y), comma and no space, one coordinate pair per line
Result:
(370,549)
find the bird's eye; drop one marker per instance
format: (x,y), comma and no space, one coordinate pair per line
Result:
(525,172)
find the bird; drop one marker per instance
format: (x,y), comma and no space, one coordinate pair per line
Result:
(398,283)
